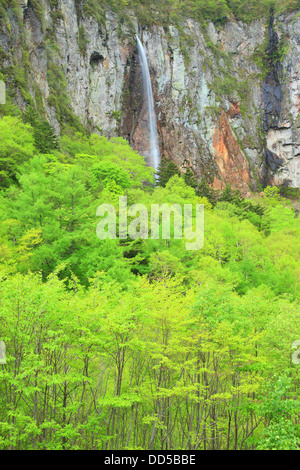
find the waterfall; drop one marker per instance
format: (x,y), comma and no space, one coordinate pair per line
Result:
(154,147)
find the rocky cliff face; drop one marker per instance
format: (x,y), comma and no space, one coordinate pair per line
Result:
(227,98)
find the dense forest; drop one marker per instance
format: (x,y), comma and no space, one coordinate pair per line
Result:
(141,344)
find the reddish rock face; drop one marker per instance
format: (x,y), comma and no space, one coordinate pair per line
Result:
(232,163)
(141,137)
(135,124)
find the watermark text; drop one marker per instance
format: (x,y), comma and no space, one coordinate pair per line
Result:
(164,222)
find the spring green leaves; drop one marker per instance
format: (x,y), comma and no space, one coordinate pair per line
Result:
(140,344)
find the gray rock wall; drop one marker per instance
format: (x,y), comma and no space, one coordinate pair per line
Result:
(210,94)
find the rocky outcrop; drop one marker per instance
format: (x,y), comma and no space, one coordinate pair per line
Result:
(282,131)
(272,94)
(216,112)
(231,162)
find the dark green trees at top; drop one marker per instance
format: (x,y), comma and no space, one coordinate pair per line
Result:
(204,190)
(44,135)
(190,179)
(166,170)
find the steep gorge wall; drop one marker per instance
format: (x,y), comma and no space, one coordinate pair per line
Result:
(218,111)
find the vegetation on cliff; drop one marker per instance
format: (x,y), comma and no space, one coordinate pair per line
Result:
(166,11)
(173,11)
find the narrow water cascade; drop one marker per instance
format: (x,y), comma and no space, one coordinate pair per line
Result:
(154,147)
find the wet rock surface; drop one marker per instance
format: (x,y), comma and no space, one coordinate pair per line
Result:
(272,93)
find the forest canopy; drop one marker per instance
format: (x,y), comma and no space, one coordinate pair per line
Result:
(140,344)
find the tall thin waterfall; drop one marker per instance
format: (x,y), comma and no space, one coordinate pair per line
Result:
(155,154)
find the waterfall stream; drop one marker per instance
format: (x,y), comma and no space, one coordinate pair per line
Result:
(154,147)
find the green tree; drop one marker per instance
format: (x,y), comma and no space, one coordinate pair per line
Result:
(165,171)
(204,190)
(16,146)
(280,411)
(190,179)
